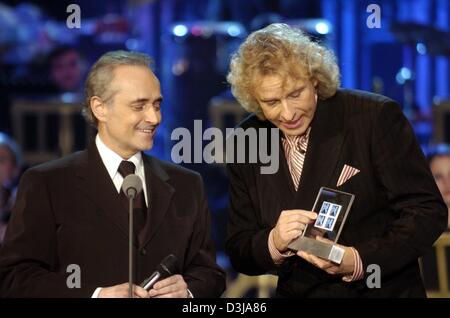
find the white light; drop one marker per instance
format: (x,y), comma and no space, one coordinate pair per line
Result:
(132,44)
(405,73)
(233,30)
(399,79)
(421,48)
(322,28)
(180,30)
(68,97)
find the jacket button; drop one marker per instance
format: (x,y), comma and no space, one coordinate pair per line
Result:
(143,251)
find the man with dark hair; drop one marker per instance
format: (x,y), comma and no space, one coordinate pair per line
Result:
(66,69)
(71,211)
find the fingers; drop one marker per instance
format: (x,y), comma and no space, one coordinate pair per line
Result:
(167,281)
(294,226)
(122,291)
(173,286)
(140,292)
(300,213)
(291,225)
(176,294)
(298,216)
(327,266)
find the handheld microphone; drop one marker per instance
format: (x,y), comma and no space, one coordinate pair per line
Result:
(168,267)
(132,185)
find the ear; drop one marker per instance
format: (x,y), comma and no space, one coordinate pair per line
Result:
(315,82)
(99,109)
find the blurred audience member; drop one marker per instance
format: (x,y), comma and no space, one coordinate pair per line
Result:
(66,69)
(10,168)
(439,159)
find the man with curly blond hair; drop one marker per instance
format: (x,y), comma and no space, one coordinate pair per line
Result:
(349,140)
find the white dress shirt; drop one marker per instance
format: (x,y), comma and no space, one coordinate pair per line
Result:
(112,160)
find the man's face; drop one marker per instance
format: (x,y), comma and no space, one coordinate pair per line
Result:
(66,71)
(289,104)
(8,169)
(129,124)
(440,167)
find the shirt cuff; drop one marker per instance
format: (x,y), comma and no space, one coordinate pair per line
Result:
(190,294)
(276,256)
(96,292)
(358,272)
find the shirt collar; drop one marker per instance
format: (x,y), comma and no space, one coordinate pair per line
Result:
(112,160)
(293,141)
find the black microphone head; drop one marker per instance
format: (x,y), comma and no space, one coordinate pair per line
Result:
(169,265)
(132,185)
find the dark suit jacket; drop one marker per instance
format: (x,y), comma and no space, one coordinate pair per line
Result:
(397,214)
(69,212)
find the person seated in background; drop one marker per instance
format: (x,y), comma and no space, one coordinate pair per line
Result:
(66,72)
(66,69)
(10,167)
(439,159)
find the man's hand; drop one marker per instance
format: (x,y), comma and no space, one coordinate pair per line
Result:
(171,287)
(290,225)
(121,291)
(346,267)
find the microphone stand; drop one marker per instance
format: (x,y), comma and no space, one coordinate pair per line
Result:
(131,186)
(130,241)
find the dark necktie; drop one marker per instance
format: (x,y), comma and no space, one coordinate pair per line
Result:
(140,209)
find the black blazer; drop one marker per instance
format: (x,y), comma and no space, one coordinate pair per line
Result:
(397,214)
(69,212)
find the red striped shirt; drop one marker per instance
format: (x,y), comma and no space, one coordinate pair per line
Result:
(295,151)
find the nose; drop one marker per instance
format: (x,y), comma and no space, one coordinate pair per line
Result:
(287,113)
(152,115)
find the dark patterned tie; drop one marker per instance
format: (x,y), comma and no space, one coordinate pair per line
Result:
(140,209)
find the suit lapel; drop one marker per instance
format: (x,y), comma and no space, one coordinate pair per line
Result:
(159,193)
(324,147)
(280,182)
(95,182)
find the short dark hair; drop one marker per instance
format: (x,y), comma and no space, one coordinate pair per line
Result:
(59,51)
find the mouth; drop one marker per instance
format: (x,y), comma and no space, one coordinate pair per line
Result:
(293,124)
(147,131)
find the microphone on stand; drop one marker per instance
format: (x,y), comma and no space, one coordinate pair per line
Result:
(131,186)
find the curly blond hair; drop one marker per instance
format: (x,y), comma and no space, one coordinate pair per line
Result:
(286,51)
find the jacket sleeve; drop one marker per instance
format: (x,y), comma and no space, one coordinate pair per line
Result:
(28,258)
(247,241)
(404,175)
(202,274)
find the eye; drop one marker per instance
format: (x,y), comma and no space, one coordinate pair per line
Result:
(138,107)
(296,94)
(157,105)
(272,102)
